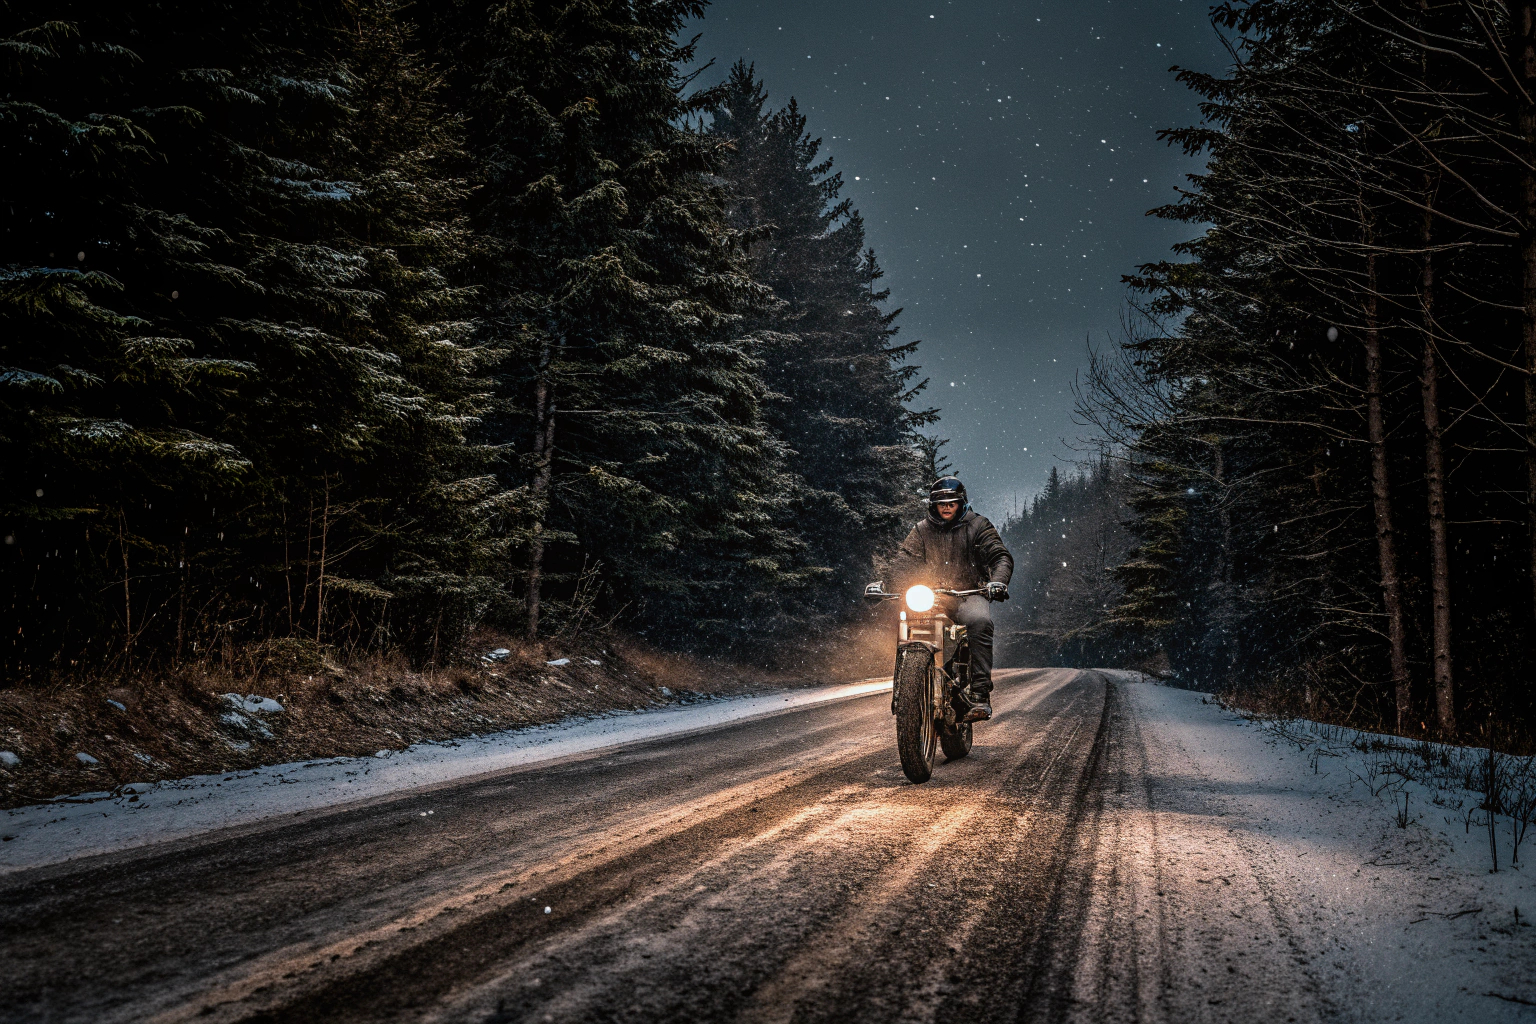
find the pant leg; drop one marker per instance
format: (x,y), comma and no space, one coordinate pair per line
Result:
(975,614)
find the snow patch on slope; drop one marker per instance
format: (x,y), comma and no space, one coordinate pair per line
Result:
(139,814)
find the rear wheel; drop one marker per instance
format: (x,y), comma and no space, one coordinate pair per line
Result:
(916,735)
(956,742)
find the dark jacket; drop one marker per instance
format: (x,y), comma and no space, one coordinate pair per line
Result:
(961,554)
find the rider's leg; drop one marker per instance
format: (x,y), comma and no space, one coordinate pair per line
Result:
(975,614)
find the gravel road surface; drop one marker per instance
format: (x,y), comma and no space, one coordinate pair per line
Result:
(781,869)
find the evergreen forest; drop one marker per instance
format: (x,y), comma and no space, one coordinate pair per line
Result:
(370,325)
(367,325)
(1069,544)
(1323,418)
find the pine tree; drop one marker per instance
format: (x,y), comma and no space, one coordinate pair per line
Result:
(130,277)
(426,541)
(1340,331)
(829,350)
(216,355)
(616,291)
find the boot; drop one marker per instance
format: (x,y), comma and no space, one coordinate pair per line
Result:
(981,706)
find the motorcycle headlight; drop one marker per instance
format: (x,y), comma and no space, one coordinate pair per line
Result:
(919,598)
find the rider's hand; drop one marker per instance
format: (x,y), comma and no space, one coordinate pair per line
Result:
(997,591)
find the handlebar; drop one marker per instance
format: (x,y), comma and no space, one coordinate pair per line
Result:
(871,594)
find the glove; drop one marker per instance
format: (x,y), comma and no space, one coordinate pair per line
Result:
(997,591)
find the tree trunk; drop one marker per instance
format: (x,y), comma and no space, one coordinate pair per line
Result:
(1224,514)
(543,451)
(1525,68)
(287,560)
(325,536)
(1381,498)
(309,556)
(181,602)
(1228,601)
(122,543)
(1434,477)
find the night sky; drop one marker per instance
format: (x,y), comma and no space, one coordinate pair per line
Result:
(1004,156)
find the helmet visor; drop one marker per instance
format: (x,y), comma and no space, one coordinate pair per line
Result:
(946,489)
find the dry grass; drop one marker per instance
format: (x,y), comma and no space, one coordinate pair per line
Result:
(1277,702)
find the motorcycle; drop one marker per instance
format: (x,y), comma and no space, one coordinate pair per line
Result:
(933,667)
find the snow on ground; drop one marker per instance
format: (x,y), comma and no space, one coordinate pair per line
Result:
(142,813)
(1400,923)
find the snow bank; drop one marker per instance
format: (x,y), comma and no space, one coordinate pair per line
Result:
(1396,911)
(142,813)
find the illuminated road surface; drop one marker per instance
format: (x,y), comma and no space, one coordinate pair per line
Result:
(775,870)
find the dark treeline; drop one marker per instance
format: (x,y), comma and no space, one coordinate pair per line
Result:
(1326,416)
(1068,544)
(367,324)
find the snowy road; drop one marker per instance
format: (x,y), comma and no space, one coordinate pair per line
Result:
(1110,851)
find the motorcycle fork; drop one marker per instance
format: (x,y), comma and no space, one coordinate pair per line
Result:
(943,689)
(938,638)
(926,637)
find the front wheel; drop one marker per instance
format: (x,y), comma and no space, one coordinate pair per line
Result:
(956,742)
(916,736)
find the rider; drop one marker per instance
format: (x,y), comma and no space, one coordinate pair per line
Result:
(958,549)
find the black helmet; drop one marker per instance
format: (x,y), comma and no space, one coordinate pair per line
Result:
(946,488)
